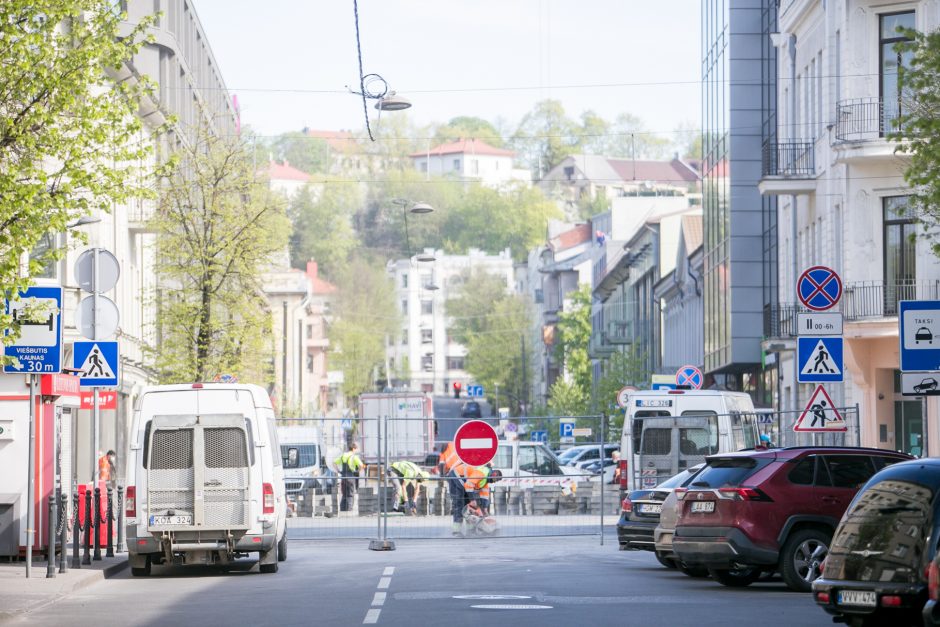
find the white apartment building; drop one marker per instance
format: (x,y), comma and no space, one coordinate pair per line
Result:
(471,160)
(840,196)
(424,357)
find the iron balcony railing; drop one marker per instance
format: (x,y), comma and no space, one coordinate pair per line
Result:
(865,119)
(879,299)
(791,158)
(780,321)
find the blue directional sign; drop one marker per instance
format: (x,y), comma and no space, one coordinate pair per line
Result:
(819,359)
(39,346)
(566,429)
(691,376)
(819,288)
(98,362)
(919,334)
(539,436)
(475,391)
(663,386)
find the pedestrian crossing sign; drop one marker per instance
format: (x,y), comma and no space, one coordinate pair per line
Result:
(820,415)
(98,363)
(820,360)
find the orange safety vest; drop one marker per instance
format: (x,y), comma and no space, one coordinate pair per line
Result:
(449,458)
(104,468)
(473,477)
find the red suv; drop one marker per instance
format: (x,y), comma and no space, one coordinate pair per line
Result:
(770,509)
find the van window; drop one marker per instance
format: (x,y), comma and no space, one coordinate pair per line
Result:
(503,458)
(705,440)
(546,462)
(251,442)
(527,460)
(146,443)
(272,437)
(307,455)
(743,430)
(657,441)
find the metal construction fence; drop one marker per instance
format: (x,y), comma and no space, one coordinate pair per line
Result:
(538,494)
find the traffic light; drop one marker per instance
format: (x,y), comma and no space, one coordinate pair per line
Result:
(456,389)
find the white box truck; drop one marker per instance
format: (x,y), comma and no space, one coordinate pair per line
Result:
(407,424)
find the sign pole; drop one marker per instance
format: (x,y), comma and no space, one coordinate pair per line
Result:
(31,479)
(94,332)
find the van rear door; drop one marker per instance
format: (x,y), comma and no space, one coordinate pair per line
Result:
(199,471)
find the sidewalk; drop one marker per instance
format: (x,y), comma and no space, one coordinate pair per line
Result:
(19,595)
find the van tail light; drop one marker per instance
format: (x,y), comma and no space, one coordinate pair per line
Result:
(130,501)
(626,505)
(624,468)
(268,491)
(933,581)
(743,494)
(680,493)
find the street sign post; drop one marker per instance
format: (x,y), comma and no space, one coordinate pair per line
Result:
(919,335)
(38,349)
(539,436)
(98,362)
(475,442)
(820,415)
(691,376)
(819,288)
(819,359)
(828,323)
(566,429)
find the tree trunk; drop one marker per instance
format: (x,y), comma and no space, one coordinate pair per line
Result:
(204,337)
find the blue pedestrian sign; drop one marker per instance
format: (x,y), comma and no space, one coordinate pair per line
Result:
(98,362)
(819,288)
(566,429)
(820,359)
(39,346)
(919,334)
(539,436)
(475,391)
(690,376)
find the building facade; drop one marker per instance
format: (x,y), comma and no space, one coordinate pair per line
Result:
(471,160)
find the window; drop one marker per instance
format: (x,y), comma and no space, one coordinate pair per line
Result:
(404,306)
(900,266)
(309,331)
(455,363)
(456,164)
(546,464)
(427,336)
(891,60)
(728,472)
(404,281)
(427,362)
(404,337)
(527,461)
(427,307)
(804,471)
(503,457)
(849,471)
(309,362)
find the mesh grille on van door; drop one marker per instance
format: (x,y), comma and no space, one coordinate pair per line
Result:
(172,449)
(171,471)
(225,448)
(226,473)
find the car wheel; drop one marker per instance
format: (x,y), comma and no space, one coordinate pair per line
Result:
(665,561)
(735,578)
(282,548)
(801,558)
(143,571)
(692,571)
(270,566)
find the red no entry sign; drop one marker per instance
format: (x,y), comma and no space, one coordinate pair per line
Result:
(475,442)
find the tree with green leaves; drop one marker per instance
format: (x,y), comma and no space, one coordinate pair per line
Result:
(307,154)
(571,393)
(322,219)
(917,127)
(625,367)
(70,140)
(218,226)
(364,318)
(468,127)
(545,136)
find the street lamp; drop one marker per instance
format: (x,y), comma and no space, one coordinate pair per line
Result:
(392,102)
(417,208)
(82,221)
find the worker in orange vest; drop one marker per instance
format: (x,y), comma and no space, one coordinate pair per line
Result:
(447,462)
(106,467)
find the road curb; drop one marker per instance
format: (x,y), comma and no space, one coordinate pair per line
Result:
(90,577)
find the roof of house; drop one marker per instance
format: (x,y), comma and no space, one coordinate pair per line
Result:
(465,146)
(572,237)
(343,141)
(605,169)
(692,232)
(285,172)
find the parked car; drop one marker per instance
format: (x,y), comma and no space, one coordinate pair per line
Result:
(471,409)
(666,528)
(884,552)
(926,385)
(581,455)
(640,512)
(771,509)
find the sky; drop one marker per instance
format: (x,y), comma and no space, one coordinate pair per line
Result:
(289,61)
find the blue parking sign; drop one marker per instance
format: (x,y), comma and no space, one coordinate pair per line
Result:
(566,429)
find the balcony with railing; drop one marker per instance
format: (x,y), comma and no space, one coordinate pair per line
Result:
(788,167)
(862,129)
(871,300)
(780,321)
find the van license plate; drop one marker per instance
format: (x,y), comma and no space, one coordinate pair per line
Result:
(170,520)
(861,598)
(703,507)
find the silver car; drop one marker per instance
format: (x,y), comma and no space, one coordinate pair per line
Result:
(662,535)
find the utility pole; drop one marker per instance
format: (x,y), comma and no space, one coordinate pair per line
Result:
(525,378)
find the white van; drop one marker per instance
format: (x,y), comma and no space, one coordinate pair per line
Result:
(205,483)
(667,431)
(526,464)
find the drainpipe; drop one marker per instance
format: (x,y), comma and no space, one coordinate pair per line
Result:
(791,49)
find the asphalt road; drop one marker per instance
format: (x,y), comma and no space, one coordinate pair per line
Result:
(447,414)
(515,582)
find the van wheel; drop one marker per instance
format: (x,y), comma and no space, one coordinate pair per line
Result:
(282,548)
(801,558)
(736,578)
(143,571)
(269,560)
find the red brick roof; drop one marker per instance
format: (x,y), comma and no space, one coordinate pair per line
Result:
(466,146)
(673,171)
(572,237)
(285,172)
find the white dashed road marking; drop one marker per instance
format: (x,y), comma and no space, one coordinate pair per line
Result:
(384,583)
(372,615)
(389,571)
(378,599)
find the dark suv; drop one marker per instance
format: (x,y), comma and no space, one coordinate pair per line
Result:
(771,509)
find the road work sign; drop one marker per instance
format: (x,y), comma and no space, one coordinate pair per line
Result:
(820,414)
(475,442)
